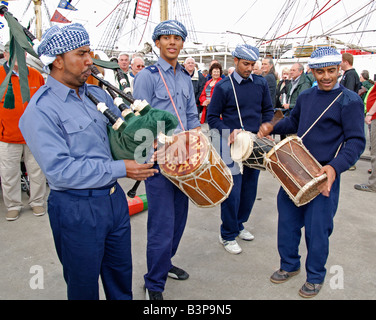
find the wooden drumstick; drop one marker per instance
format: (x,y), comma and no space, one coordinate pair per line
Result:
(278,116)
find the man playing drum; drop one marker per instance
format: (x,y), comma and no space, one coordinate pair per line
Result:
(167,86)
(255,107)
(336,141)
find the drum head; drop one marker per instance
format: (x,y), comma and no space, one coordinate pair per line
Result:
(242,147)
(195,154)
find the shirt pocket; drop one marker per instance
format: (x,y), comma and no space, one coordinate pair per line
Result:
(161,92)
(73,126)
(185,93)
(80,135)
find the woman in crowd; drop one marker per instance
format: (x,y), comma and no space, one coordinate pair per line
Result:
(281,93)
(216,72)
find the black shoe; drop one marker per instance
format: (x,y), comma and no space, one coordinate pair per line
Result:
(281,276)
(178,274)
(153,295)
(310,290)
(363,187)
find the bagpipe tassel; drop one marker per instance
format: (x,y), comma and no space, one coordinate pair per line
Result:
(9,97)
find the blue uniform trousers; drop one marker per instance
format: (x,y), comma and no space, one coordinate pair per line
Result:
(317,219)
(236,209)
(92,234)
(167,217)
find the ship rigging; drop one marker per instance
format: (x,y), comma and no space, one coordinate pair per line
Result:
(285,30)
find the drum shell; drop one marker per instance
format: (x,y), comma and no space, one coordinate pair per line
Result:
(296,169)
(257,158)
(207,184)
(252,150)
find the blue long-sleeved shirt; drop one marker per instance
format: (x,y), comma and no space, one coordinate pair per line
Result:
(68,137)
(149,85)
(342,125)
(254,103)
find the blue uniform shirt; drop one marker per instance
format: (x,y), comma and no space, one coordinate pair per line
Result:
(149,85)
(68,137)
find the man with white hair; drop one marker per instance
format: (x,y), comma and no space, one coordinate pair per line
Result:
(137,65)
(198,80)
(336,141)
(257,68)
(299,82)
(124,62)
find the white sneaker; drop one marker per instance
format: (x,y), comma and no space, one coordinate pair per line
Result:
(246,235)
(230,246)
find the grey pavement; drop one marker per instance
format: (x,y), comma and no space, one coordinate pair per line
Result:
(30,269)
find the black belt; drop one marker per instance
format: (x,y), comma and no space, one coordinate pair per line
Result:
(99,192)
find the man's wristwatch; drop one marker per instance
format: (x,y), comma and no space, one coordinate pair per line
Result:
(368,114)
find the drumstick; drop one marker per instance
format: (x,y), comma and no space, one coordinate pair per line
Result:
(278,116)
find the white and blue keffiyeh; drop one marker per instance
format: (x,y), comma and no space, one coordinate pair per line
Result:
(246,52)
(58,40)
(170,27)
(324,57)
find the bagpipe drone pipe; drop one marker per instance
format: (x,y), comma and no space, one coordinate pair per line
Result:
(139,125)
(134,134)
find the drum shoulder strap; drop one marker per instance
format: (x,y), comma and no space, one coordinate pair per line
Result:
(313,124)
(237,102)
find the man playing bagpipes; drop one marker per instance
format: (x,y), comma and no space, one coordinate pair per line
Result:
(68,136)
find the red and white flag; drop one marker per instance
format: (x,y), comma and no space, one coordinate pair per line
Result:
(143,7)
(58,17)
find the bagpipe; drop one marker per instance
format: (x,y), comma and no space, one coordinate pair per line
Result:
(202,176)
(132,135)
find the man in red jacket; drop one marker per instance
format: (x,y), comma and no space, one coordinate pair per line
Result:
(13,147)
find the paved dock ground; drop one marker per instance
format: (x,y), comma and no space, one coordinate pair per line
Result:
(30,269)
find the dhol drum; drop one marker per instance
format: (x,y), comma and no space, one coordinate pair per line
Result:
(202,175)
(296,169)
(250,150)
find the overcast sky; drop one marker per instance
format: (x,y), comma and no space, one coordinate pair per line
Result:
(212,18)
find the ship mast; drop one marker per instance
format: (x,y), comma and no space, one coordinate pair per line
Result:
(164,10)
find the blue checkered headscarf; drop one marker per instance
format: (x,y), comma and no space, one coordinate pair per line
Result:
(324,57)
(170,27)
(58,40)
(246,52)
